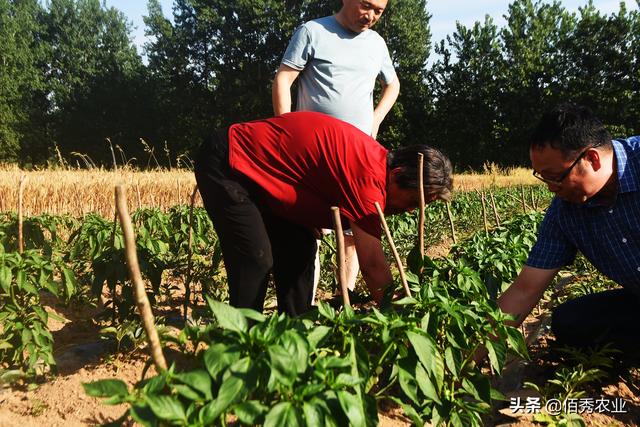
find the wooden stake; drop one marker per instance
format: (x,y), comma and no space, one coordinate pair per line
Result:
(142,302)
(524,202)
(138,194)
(422,204)
(495,211)
(484,213)
(187,283)
(403,278)
(23,181)
(342,274)
(453,229)
(533,199)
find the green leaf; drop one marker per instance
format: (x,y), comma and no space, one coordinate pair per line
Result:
(198,380)
(70,282)
(251,412)
(219,357)
(106,388)
(166,408)
(143,415)
(352,407)
(428,355)
(313,414)
(426,384)
(228,317)
(326,310)
(283,414)
(345,380)
(281,367)
(516,341)
(317,334)
(5,278)
(297,348)
(252,314)
(497,354)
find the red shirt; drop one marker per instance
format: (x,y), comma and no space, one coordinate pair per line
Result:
(307,162)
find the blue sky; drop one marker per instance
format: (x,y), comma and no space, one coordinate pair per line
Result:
(444,13)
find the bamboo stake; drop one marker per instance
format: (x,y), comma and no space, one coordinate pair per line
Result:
(138,194)
(187,283)
(524,202)
(453,229)
(342,274)
(142,302)
(422,204)
(484,213)
(533,200)
(23,181)
(114,297)
(403,278)
(495,211)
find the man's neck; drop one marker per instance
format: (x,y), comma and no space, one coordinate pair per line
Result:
(607,195)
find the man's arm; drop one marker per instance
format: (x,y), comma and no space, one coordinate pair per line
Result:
(373,264)
(281,89)
(525,292)
(387,99)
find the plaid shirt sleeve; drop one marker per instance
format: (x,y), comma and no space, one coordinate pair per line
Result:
(552,249)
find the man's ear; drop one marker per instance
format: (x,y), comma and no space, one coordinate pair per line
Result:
(595,158)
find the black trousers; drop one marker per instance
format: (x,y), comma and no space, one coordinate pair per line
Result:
(606,317)
(254,242)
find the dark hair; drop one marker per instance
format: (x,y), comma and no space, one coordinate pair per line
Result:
(437,169)
(570,128)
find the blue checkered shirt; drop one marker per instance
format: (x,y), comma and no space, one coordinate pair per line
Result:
(608,236)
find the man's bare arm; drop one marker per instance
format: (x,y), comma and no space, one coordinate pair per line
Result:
(373,263)
(525,292)
(387,99)
(281,89)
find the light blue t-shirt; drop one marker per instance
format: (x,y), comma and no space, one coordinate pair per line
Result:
(339,70)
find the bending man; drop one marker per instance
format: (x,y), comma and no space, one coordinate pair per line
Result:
(268,184)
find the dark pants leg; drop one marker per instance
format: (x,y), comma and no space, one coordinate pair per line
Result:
(294,251)
(607,317)
(252,243)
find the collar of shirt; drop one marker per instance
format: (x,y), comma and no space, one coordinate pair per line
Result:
(626,173)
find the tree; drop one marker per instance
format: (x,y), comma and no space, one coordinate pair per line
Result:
(534,71)
(23,100)
(94,78)
(467,116)
(405,28)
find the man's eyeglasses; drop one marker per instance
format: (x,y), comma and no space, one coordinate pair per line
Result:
(566,173)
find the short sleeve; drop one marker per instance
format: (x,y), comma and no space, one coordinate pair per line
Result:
(298,52)
(387,71)
(552,249)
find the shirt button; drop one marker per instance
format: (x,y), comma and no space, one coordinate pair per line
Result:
(638,268)
(624,240)
(610,210)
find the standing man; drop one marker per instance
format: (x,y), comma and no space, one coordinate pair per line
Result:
(596,211)
(268,184)
(339,58)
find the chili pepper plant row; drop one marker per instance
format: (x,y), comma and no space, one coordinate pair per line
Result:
(415,352)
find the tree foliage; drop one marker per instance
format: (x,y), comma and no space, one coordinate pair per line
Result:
(71,76)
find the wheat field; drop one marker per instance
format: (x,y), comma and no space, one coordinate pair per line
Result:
(81,191)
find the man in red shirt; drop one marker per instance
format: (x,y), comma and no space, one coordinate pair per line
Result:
(268,184)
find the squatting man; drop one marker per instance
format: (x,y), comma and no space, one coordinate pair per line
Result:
(596,210)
